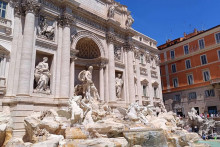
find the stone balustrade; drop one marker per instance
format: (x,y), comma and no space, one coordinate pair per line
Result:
(2,85)
(6,24)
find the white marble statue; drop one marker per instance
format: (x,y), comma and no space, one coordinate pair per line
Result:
(111,11)
(129,21)
(134,113)
(45,30)
(42,76)
(88,87)
(205,126)
(118,86)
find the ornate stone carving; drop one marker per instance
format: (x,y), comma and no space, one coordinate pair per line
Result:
(204,125)
(110,37)
(65,20)
(88,87)
(31,6)
(44,29)
(118,86)
(17,8)
(143,71)
(154,74)
(117,52)
(157,61)
(128,46)
(42,76)
(111,11)
(135,113)
(137,54)
(129,21)
(148,59)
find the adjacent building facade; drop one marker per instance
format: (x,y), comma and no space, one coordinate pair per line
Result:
(45,44)
(190,72)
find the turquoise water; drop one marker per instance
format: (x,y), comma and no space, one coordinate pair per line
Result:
(212,143)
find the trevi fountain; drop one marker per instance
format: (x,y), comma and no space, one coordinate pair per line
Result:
(74,73)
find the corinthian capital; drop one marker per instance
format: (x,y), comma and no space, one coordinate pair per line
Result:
(17,8)
(65,20)
(128,46)
(110,37)
(30,6)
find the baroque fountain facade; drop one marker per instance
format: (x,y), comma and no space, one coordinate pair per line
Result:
(76,72)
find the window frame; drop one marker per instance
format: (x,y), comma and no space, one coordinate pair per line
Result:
(192,98)
(209,92)
(176,82)
(201,59)
(218,53)
(142,58)
(188,79)
(171,54)
(189,63)
(184,49)
(144,94)
(203,43)
(175,98)
(172,68)
(206,70)
(216,38)
(3,9)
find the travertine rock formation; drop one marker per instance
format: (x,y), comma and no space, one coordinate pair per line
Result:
(5,126)
(205,126)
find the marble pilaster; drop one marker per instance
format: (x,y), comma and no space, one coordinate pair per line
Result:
(30,7)
(58,69)
(65,58)
(130,69)
(106,88)
(72,76)
(111,69)
(3,65)
(14,50)
(139,88)
(101,83)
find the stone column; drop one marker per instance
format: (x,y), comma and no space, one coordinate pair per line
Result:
(111,68)
(65,58)
(139,88)
(129,48)
(59,50)
(101,82)
(30,7)
(14,49)
(72,76)
(106,85)
(3,66)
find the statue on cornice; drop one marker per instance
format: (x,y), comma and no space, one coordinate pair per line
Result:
(42,76)
(111,11)
(129,21)
(44,29)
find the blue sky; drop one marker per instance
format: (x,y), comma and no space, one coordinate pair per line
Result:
(169,19)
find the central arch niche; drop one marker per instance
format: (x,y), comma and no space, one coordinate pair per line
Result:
(88,49)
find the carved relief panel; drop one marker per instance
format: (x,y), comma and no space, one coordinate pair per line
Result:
(118,52)
(46,28)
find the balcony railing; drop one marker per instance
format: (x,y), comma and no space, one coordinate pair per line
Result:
(2,85)
(6,24)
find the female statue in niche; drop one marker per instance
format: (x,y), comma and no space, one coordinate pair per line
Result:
(118,86)
(42,76)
